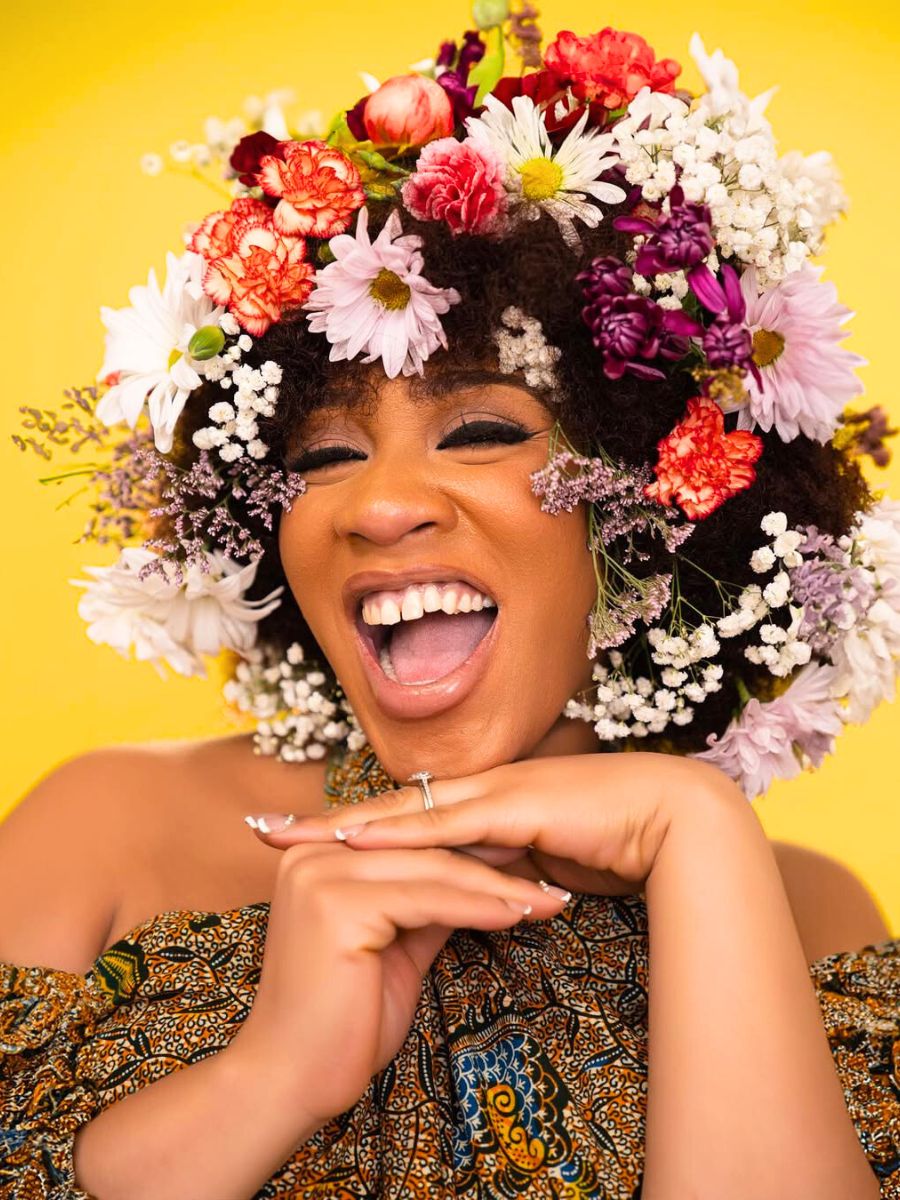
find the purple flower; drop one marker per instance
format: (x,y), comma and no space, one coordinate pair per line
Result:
(626,327)
(775,739)
(833,592)
(605,278)
(618,491)
(676,242)
(728,341)
(728,345)
(454,80)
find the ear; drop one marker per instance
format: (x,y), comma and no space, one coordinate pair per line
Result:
(833,909)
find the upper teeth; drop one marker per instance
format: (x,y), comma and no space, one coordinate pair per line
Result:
(412,602)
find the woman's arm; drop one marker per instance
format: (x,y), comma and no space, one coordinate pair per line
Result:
(744,1100)
(215,1130)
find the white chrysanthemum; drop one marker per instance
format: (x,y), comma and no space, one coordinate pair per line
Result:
(147,348)
(540,178)
(163,620)
(373,297)
(868,656)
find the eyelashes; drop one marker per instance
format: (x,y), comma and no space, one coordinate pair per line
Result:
(475,433)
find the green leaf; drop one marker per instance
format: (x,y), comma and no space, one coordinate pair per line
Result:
(379,163)
(488,69)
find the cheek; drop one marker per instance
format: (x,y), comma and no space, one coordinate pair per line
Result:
(302,547)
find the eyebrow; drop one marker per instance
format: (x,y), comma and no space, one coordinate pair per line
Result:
(450,379)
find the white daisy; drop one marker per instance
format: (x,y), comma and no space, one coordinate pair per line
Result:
(147,355)
(373,298)
(163,620)
(539,178)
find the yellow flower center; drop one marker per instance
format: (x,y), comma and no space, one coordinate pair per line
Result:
(541,178)
(173,359)
(389,289)
(767,346)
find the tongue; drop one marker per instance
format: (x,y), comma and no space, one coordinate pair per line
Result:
(436,644)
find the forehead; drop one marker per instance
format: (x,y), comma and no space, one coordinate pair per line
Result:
(434,391)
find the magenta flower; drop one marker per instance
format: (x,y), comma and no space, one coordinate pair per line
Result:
(626,327)
(727,341)
(677,242)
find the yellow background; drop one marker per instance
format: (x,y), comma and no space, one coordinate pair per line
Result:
(90,88)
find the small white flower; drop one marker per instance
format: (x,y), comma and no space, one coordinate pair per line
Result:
(762,560)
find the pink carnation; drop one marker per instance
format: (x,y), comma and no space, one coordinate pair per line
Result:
(457,182)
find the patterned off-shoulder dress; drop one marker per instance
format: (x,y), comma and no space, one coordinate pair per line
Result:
(524,1072)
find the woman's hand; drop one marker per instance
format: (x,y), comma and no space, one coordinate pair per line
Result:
(590,822)
(350,938)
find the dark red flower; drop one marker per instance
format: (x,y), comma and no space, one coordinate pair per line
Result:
(247,153)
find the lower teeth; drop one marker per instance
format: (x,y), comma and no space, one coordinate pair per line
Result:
(384,660)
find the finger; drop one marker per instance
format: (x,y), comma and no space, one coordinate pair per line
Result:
(421,904)
(320,865)
(283,829)
(508,821)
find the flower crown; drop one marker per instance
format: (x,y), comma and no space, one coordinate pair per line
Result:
(715,283)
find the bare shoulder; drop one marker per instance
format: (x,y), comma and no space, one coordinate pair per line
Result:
(113,836)
(833,909)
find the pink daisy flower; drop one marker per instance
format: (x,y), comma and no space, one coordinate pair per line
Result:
(808,378)
(373,298)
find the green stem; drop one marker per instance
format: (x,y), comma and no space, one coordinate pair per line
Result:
(87,469)
(742,690)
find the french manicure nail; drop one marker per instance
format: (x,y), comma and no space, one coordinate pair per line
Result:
(270,822)
(557,893)
(347,831)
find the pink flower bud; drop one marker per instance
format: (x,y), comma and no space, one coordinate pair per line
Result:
(408,110)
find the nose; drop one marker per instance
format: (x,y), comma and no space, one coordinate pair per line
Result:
(392,497)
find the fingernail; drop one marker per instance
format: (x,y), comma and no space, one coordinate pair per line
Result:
(270,822)
(347,831)
(557,893)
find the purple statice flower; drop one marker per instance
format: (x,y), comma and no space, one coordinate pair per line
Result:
(454,79)
(193,525)
(626,327)
(776,739)
(833,591)
(727,343)
(868,431)
(617,492)
(677,241)
(617,612)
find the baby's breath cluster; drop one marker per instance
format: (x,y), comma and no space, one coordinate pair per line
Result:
(235,431)
(296,719)
(767,211)
(522,345)
(627,706)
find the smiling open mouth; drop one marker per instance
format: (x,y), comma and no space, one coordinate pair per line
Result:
(424,646)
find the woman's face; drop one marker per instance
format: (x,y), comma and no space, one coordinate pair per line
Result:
(416,499)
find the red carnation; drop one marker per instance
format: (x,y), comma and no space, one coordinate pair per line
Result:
(457,182)
(610,66)
(319,188)
(700,464)
(215,234)
(251,268)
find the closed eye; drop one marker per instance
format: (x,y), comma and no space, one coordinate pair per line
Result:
(471,433)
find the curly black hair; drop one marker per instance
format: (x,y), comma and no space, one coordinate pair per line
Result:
(533,269)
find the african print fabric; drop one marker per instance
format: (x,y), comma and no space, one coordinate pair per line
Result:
(524,1072)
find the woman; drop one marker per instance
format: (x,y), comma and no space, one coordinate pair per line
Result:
(471,298)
